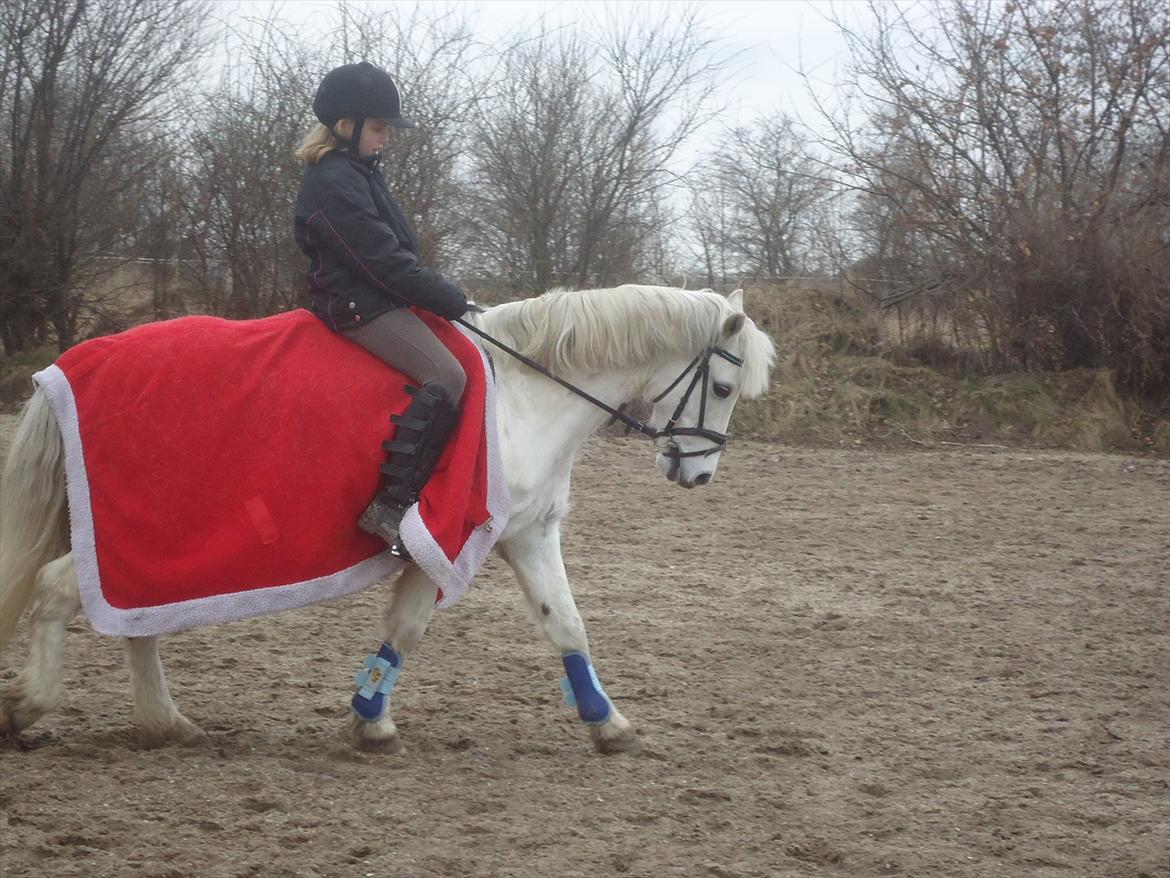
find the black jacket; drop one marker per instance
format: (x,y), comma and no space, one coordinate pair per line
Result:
(363,254)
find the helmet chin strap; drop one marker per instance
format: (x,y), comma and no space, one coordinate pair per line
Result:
(355,139)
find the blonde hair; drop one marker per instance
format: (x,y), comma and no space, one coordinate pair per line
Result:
(321,141)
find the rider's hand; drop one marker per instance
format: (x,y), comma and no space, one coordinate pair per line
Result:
(452,307)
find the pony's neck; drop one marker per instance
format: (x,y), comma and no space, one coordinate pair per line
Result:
(554,419)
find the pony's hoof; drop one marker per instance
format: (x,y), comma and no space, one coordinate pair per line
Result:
(7,723)
(17,714)
(379,737)
(616,736)
(7,720)
(180,731)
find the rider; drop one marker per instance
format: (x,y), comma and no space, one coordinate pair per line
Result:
(365,268)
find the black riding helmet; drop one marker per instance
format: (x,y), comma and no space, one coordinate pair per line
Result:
(358,91)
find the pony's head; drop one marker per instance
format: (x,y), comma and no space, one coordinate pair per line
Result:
(692,413)
(693,353)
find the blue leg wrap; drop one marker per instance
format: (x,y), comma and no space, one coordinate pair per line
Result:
(583,690)
(375,681)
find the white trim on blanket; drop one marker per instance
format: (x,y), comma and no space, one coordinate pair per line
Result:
(167,618)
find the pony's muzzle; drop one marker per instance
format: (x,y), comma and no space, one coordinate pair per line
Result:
(669,463)
(700,479)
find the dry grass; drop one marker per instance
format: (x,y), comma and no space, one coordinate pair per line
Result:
(847,374)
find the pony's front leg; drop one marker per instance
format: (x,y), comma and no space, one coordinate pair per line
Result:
(404,623)
(535,557)
(156,718)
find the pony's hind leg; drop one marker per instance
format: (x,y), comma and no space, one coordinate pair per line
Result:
(405,622)
(156,719)
(38,688)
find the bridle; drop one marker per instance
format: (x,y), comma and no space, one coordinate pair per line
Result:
(702,369)
(702,366)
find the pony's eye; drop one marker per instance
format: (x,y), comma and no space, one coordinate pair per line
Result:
(722,390)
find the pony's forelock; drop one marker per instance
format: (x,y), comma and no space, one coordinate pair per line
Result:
(759,353)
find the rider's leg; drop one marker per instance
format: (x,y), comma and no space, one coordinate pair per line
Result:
(402,340)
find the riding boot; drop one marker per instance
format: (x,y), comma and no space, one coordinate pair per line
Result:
(421,435)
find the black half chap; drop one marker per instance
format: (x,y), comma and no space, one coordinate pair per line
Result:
(401,340)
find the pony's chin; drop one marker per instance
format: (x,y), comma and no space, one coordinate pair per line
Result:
(668,466)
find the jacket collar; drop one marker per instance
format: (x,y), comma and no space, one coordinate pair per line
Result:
(364,162)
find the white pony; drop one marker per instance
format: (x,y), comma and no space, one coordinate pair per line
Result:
(693,353)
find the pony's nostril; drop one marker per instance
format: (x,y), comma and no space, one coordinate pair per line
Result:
(702,478)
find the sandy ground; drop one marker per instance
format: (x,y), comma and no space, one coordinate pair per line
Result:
(841,663)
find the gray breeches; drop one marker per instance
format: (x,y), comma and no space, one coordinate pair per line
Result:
(401,340)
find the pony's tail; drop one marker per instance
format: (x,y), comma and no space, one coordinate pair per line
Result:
(33,525)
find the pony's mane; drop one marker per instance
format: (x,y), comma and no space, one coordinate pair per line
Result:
(595,330)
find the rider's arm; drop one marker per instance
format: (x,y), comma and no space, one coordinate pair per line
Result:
(348,223)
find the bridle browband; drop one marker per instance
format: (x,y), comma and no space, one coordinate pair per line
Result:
(702,368)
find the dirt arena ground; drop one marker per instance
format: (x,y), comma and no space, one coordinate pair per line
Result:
(842,663)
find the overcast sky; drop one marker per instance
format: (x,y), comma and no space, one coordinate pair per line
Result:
(768,38)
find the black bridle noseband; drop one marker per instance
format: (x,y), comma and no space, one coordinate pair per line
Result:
(702,368)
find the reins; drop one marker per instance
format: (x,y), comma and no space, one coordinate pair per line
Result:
(616,414)
(703,364)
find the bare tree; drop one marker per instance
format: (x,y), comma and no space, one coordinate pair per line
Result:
(242,175)
(574,155)
(757,200)
(75,79)
(529,154)
(1022,156)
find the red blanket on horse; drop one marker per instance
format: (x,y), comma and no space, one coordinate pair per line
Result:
(216,470)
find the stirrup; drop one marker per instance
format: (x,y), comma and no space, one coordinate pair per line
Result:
(382,519)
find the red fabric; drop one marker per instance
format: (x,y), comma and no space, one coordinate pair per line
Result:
(225,456)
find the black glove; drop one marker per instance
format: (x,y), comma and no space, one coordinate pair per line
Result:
(452,306)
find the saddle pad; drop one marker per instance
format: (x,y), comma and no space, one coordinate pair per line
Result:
(216,469)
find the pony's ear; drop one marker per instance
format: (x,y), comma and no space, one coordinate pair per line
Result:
(735,300)
(733,324)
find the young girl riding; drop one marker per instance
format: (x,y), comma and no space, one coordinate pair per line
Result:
(364,270)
